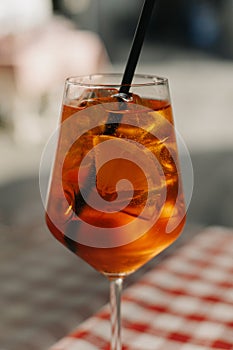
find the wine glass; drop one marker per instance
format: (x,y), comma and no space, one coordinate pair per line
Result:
(115,197)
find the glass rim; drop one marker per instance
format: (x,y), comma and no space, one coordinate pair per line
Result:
(86,80)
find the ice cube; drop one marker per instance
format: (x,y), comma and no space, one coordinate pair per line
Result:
(167,159)
(116,160)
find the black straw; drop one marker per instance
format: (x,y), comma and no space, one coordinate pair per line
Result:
(137,45)
(143,21)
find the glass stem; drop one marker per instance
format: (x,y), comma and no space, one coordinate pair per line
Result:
(115,309)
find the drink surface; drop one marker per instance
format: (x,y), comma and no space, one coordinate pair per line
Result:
(145,155)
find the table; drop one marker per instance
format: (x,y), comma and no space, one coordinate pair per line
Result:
(185,303)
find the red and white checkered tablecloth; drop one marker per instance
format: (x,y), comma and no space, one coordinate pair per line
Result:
(185,303)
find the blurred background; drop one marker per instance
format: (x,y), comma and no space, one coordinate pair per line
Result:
(45,291)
